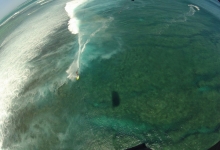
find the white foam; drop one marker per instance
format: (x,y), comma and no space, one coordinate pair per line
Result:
(73,26)
(22,45)
(70,9)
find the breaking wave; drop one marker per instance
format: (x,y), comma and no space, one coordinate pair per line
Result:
(91,28)
(23,68)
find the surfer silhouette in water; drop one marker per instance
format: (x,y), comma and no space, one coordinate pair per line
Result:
(77,75)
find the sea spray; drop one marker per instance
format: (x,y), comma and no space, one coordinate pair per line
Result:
(73,22)
(26,60)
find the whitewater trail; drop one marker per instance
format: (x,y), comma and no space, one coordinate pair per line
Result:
(182,18)
(73,26)
(84,36)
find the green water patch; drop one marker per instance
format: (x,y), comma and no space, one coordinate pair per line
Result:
(168,81)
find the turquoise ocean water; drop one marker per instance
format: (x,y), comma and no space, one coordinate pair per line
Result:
(148,73)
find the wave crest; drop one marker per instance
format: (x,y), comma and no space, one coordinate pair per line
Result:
(73,22)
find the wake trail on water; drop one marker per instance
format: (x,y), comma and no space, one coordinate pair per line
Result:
(73,26)
(212,6)
(182,18)
(90,29)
